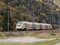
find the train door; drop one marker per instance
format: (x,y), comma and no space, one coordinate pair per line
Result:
(46,27)
(40,27)
(25,26)
(33,26)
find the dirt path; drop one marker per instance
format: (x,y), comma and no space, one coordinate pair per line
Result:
(25,39)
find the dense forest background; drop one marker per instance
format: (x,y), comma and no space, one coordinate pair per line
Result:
(45,11)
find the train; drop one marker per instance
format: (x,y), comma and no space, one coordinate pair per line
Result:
(24,25)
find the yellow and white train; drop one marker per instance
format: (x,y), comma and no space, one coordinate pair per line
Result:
(29,25)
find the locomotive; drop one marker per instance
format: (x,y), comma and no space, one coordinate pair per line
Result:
(24,25)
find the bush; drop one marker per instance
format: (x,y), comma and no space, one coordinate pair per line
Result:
(53,34)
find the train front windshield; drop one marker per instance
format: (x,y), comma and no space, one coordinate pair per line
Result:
(19,23)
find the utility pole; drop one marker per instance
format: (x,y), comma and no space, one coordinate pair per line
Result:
(33,20)
(8,20)
(8,13)
(59,22)
(51,20)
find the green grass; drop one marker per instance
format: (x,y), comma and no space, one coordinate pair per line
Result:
(35,43)
(46,42)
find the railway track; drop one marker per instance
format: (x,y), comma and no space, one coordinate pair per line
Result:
(57,30)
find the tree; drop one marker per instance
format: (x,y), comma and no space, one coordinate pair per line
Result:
(5,25)
(1,22)
(11,22)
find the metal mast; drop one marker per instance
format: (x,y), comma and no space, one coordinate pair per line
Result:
(33,20)
(8,20)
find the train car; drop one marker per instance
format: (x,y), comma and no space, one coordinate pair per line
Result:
(21,25)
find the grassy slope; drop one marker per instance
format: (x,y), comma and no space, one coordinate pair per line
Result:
(38,34)
(46,42)
(36,43)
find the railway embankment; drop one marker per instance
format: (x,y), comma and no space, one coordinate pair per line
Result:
(39,34)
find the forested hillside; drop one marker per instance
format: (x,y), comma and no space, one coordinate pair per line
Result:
(57,2)
(23,10)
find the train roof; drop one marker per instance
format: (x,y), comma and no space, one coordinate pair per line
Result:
(33,22)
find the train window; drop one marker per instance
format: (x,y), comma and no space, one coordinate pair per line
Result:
(19,24)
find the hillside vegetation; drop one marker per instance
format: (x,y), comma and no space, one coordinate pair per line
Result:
(23,10)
